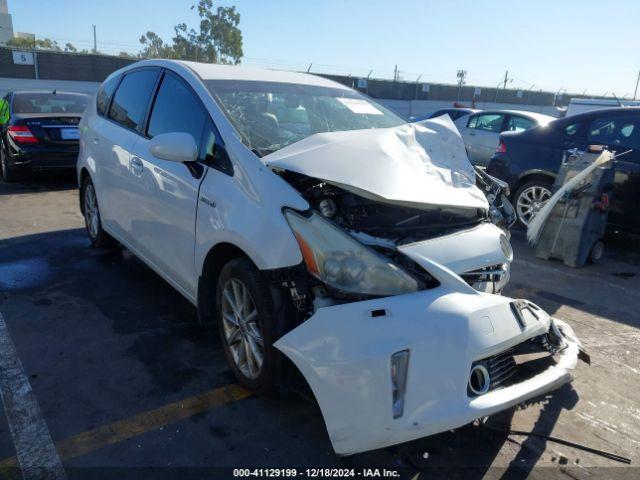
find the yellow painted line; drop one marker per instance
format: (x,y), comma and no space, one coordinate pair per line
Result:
(121,430)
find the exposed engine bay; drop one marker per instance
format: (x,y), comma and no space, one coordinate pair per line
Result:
(396,223)
(386,227)
(408,193)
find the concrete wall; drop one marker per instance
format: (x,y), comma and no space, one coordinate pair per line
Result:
(405,108)
(10,84)
(413,108)
(61,66)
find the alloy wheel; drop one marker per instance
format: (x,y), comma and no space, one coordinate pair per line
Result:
(91,213)
(241,328)
(530,201)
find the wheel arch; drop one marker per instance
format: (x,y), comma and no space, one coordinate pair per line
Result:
(216,258)
(529,176)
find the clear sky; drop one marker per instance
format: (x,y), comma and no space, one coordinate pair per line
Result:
(571,44)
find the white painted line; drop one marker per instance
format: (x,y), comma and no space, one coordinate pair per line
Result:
(36,453)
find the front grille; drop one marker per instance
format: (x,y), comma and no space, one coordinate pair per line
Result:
(490,279)
(519,363)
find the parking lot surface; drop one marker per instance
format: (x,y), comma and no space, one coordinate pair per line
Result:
(128,382)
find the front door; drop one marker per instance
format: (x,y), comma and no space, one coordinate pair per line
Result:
(164,215)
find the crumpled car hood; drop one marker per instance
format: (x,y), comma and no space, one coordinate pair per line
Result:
(417,165)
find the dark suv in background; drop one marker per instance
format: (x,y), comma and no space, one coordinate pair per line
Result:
(39,131)
(529,161)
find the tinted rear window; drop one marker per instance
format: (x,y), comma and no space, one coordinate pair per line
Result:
(105,93)
(50,103)
(132,97)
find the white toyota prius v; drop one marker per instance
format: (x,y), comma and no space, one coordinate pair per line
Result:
(330,243)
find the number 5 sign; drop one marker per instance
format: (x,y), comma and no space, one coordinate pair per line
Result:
(23,58)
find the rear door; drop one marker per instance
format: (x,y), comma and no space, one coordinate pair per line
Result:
(481,135)
(164,213)
(621,133)
(114,139)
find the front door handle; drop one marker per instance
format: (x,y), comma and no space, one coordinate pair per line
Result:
(136,166)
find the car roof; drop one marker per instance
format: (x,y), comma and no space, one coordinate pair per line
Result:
(50,92)
(457,109)
(212,71)
(603,111)
(539,117)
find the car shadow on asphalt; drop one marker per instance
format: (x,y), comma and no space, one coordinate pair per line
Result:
(470,451)
(40,183)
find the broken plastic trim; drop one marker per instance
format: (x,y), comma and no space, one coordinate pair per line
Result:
(399,369)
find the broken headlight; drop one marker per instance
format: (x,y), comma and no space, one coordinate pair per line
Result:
(341,262)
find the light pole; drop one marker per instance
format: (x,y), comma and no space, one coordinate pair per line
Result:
(558,94)
(462,75)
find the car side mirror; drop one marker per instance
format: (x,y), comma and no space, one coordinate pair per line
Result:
(175,147)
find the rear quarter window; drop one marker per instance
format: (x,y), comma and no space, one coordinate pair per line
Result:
(104,95)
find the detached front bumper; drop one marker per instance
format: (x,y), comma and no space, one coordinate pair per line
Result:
(345,351)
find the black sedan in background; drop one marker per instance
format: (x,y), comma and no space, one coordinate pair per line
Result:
(529,161)
(39,131)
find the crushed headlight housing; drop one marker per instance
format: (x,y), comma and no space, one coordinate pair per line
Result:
(341,262)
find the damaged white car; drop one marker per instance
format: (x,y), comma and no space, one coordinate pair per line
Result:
(325,237)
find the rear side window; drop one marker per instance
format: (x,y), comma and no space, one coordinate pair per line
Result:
(104,95)
(176,109)
(572,129)
(519,124)
(623,130)
(132,97)
(489,122)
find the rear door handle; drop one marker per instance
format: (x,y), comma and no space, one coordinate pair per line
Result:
(96,141)
(136,166)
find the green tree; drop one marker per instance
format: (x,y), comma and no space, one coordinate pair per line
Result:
(154,47)
(70,48)
(40,44)
(218,39)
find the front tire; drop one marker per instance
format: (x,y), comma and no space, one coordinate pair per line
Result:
(246,319)
(92,220)
(529,199)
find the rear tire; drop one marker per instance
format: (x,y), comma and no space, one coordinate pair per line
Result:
(529,198)
(246,324)
(596,253)
(9,174)
(92,220)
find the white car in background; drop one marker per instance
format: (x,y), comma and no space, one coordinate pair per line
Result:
(312,224)
(481,131)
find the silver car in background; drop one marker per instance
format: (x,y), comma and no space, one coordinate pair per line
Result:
(481,130)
